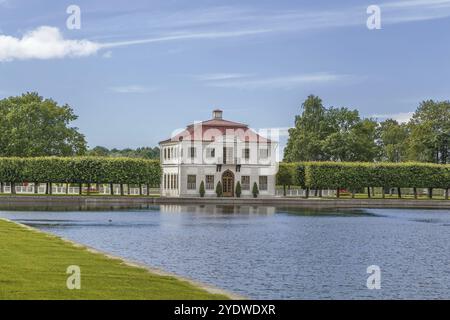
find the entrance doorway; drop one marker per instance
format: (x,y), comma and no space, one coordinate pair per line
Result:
(228,183)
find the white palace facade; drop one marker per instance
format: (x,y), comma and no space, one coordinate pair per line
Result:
(218,150)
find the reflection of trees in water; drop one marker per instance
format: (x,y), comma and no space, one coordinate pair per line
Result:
(325,212)
(174,208)
(76,207)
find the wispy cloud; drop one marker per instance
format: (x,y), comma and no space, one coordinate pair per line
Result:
(186,36)
(221,76)
(280,82)
(401,117)
(133,89)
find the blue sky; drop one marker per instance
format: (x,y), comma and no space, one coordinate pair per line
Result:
(136,70)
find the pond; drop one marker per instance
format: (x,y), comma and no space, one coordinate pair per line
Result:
(268,252)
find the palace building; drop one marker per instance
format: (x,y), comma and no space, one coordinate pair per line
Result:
(218,150)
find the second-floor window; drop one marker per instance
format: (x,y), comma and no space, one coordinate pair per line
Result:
(264,153)
(246,154)
(210,152)
(192,152)
(228,155)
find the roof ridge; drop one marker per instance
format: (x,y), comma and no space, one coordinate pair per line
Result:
(240,124)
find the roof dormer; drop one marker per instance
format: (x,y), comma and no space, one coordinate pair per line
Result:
(217,114)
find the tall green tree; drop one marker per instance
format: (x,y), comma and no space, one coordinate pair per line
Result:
(33,126)
(311,128)
(337,134)
(430,132)
(393,140)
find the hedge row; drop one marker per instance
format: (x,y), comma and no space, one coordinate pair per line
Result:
(356,175)
(80,170)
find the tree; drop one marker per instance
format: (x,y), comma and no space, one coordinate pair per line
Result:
(336,134)
(255,190)
(143,152)
(99,151)
(202,189)
(430,132)
(351,139)
(305,139)
(393,140)
(33,126)
(238,189)
(285,176)
(219,189)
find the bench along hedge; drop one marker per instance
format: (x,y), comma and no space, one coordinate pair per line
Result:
(80,170)
(358,175)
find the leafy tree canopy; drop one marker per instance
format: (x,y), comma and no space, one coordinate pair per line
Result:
(340,134)
(33,126)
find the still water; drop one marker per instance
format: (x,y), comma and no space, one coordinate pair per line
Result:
(268,252)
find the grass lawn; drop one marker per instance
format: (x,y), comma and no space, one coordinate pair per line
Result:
(33,266)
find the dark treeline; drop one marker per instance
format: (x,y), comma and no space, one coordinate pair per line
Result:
(340,134)
(143,153)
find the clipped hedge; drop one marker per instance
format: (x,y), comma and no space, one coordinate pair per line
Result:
(80,170)
(291,174)
(358,175)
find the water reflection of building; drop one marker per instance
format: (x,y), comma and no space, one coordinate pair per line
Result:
(218,209)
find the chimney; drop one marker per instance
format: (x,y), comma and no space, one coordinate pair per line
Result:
(217,114)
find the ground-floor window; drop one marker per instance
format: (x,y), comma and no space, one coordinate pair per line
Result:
(209,182)
(263,183)
(170,181)
(191,182)
(245,182)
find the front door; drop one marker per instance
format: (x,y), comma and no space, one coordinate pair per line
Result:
(228,183)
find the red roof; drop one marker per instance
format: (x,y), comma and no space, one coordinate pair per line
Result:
(211,129)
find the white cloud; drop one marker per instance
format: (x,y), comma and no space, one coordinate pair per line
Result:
(48,43)
(401,117)
(44,43)
(282,82)
(132,89)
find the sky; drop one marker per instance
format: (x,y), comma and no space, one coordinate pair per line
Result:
(134,71)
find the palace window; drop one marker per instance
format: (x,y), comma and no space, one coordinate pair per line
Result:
(263,183)
(245,182)
(264,153)
(210,152)
(246,153)
(192,152)
(209,182)
(191,182)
